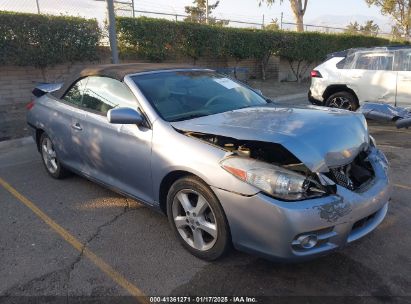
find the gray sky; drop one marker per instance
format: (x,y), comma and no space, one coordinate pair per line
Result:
(330,12)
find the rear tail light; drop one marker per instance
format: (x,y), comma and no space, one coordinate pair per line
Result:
(316,74)
(30,105)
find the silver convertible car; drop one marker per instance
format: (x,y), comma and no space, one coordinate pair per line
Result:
(225,164)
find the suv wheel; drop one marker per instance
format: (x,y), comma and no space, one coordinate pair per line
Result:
(342,100)
(197,218)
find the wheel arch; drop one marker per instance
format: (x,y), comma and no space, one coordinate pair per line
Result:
(166,184)
(38,134)
(332,89)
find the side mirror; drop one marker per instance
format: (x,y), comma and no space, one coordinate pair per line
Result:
(126,116)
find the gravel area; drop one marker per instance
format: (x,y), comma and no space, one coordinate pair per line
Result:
(273,88)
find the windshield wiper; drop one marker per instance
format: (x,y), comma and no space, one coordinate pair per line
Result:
(192,116)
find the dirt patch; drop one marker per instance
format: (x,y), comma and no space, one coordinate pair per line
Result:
(13,122)
(273,88)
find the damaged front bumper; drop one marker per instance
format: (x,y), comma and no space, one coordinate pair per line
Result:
(294,231)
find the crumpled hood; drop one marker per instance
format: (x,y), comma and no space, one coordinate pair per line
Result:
(319,137)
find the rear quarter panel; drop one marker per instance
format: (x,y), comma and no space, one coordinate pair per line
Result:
(53,117)
(331,75)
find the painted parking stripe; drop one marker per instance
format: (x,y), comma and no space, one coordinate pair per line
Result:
(402,186)
(100,263)
(388,130)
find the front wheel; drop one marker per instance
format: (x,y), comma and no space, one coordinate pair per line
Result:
(342,100)
(197,218)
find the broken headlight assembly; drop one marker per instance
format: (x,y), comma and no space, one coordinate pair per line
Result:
(273,180)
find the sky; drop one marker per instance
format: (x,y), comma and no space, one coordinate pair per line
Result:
(330,12)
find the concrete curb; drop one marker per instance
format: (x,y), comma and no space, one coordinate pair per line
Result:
(15,143)
(290,97)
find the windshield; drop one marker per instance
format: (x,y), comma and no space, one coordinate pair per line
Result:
(182,95)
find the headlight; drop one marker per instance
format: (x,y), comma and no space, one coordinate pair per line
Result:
(273,180)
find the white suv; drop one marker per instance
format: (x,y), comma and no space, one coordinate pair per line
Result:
(349,78)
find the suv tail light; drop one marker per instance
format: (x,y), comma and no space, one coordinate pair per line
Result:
(316,74)
(30,105)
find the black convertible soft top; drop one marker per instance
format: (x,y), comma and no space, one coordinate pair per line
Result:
(116,71)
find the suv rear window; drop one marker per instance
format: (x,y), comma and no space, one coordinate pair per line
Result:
(375,61)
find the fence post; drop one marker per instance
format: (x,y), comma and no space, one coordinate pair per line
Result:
(281,24)
(38,7)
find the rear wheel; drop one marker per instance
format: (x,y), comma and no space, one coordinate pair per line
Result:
(50,159)
(342,100)
(197,218)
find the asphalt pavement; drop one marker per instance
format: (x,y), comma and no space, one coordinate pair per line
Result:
(72,237)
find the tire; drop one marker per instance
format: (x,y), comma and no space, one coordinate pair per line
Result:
(188,226)
(50,158)
(342,100)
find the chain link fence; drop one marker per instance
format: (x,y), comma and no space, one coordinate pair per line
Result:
(136,8)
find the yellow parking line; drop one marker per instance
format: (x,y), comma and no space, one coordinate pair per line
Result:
(103,266)
(388,130)
(402,186)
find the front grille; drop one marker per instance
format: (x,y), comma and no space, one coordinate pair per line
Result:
(353,175)
(341,177)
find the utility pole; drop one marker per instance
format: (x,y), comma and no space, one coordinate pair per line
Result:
(112,31)
(38,7)
(263,25)
(207,11)
(132,9)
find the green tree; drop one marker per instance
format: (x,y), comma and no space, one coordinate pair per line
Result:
(370,28)
(198,13)
(298,7)
(399,10)
(273,25)
(352,28)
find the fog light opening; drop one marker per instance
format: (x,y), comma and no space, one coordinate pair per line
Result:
(308,241)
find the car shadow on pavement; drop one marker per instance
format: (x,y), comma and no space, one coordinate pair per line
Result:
(333,275)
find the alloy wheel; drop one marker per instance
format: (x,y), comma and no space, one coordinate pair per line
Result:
(49,155)
(341,103)
(194,219)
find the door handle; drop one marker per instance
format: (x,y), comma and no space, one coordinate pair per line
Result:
(356,76)
(76,126)
(405,79)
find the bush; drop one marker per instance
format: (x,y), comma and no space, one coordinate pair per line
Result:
(158,39)
(43,40)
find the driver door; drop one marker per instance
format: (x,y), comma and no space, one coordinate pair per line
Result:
(117,155)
